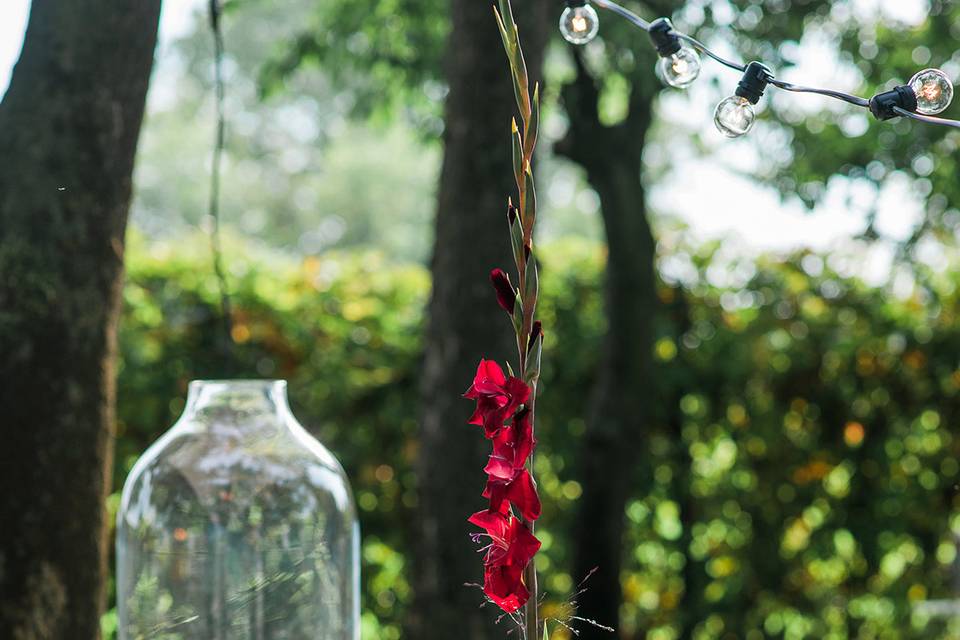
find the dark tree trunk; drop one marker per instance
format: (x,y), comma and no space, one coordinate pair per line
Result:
(68,132)
(620,404)
(464,321)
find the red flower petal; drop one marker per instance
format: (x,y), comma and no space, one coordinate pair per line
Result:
(512,545)
(496,493)
(497,397)
(495,523)
(518,491)
(504,586)
(511,447)
(523,544)
(506,560)
(536,331)
(521,436)
(506,295)
(487,406)
(523,495)
(518,391)
(488,380)
(500,467)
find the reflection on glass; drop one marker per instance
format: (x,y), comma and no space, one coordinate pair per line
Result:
(238,525)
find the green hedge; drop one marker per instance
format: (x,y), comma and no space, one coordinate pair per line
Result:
(800,478)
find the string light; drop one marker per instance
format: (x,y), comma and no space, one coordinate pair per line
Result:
(933,90)
(579,22)
(679,64)
(928,93)
(735,115)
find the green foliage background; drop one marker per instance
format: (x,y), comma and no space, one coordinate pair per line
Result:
(801,477)
(800,482)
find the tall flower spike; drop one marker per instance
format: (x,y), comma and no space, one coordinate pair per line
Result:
(505,405)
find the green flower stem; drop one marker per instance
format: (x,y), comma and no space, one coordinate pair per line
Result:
(524,144)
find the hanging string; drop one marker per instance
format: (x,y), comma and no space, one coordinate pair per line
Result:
(213,210)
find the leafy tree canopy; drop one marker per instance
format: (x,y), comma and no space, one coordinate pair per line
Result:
(387,53)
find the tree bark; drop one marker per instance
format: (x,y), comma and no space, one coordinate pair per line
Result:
(612,157)
(68,134)
(464,321)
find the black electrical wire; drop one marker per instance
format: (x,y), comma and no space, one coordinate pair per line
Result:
(736,66)
(928,119)
(624,13)
(786,86)
(830,93)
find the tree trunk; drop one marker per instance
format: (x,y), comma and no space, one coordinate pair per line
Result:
(68,133)
(464,321)
(621,397)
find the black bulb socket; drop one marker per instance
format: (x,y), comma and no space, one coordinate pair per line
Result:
(882,105)
(663,37)
(573,4)
(755,79)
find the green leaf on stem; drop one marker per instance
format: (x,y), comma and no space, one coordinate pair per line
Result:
(529,203)
(518,157)
(521,80)
(516,241)
(507,12)
(518,66)
(510,370)
(520,92)
(533,125)
(518,314)
(532,285)
(505,36)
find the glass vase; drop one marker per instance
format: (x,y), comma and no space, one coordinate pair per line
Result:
(238,525)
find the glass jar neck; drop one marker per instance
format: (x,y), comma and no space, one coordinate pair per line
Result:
(210,399)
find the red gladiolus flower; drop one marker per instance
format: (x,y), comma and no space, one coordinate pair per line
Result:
(508,480)
(518,491)
(506,294)
(511,548)
(512,447)
(536,332)
(497,397)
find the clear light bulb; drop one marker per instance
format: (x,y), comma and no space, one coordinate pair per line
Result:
(933,89)
(734,116)
(579,25)
(680,69)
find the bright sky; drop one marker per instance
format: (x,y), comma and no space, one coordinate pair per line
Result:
(707,192)
(13,22)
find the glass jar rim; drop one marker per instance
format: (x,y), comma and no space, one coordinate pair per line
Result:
(273,387)
(269,393)
(245,382)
